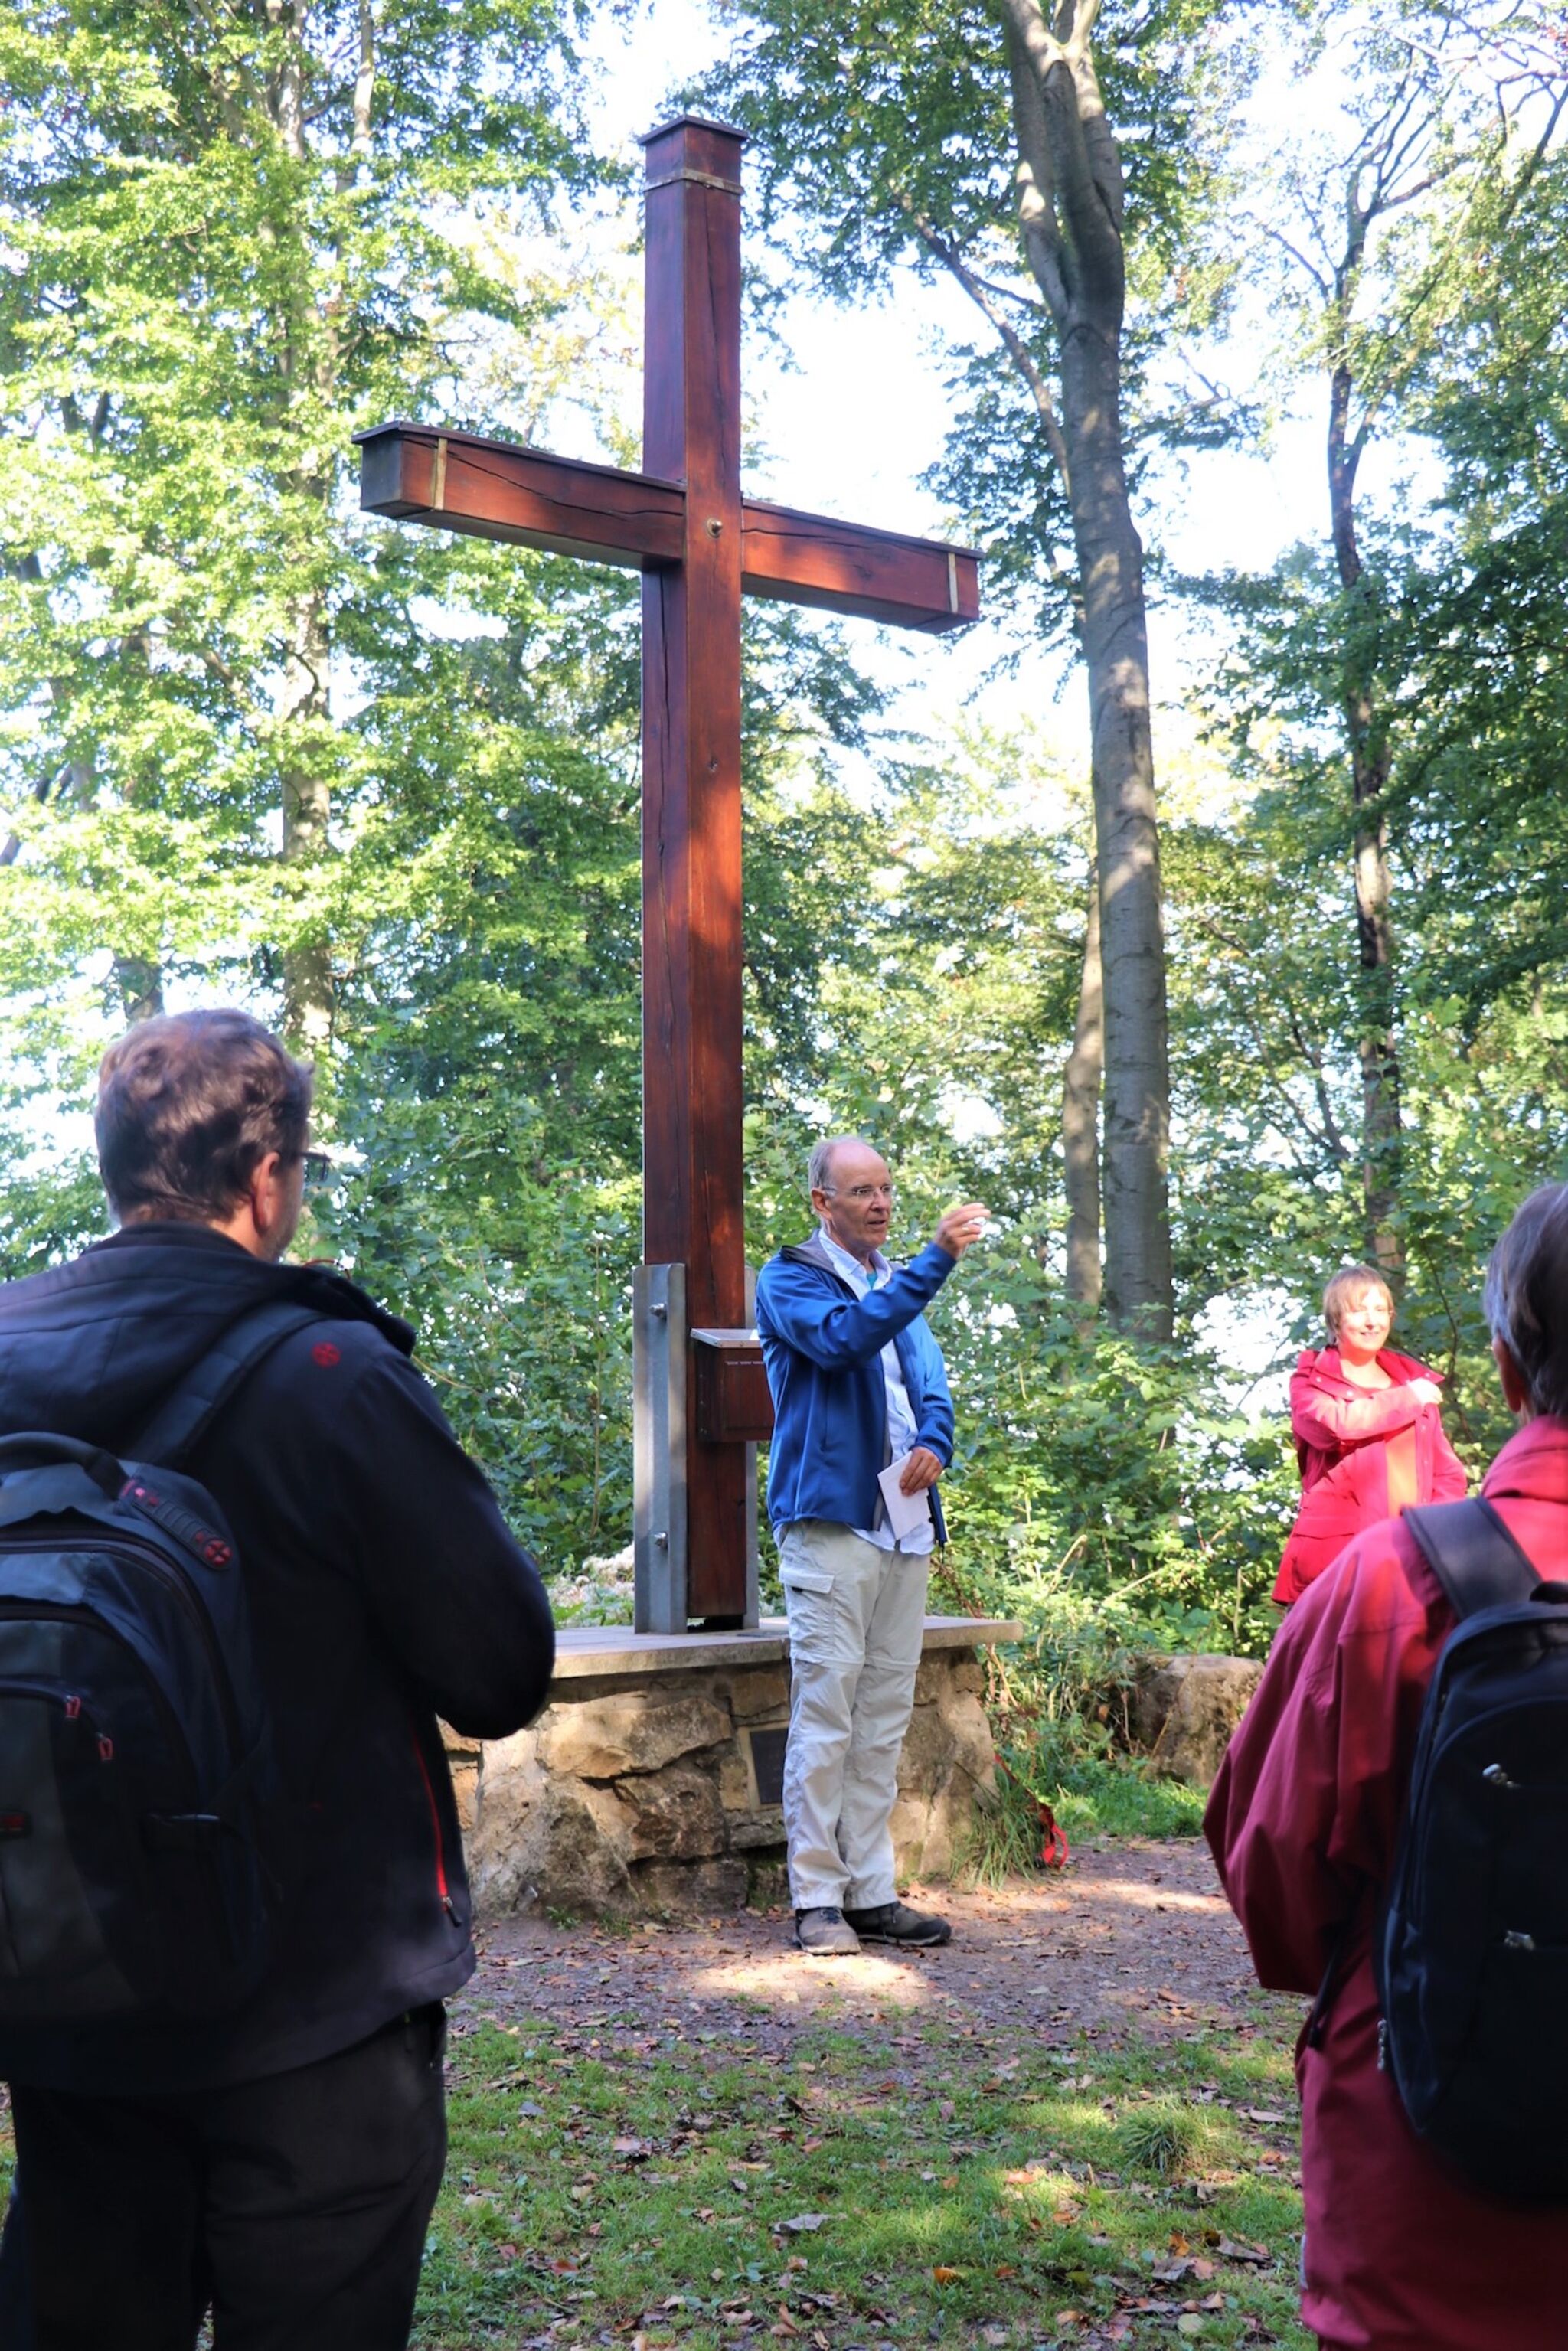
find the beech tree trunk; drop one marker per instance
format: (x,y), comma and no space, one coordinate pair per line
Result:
(308,370)
(1080,1118)
(140,981)
(1071,201)
(1136,1085)
(306,807)
(1366,737)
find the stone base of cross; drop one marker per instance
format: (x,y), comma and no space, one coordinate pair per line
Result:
(702,1401)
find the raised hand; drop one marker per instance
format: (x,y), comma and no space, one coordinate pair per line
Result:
(960,1228)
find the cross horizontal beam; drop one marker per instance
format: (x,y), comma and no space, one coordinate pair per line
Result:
(499,489)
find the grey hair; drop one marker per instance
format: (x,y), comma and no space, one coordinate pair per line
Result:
(820,1164)
(1526,1296)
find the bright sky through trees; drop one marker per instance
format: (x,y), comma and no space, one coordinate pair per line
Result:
(850,407)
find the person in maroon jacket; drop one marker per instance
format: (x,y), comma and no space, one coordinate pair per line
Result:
(1303,1822)
(1368,1430)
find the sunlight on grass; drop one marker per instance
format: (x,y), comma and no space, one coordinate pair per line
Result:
(861,2186)
(868,2181)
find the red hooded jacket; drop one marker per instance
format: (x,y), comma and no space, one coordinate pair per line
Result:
(1303,1822)
(1342,1435)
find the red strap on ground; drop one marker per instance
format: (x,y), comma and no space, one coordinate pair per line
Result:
(1054,1853)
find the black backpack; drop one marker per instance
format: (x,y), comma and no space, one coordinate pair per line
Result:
(1472,1953)
(142,1827)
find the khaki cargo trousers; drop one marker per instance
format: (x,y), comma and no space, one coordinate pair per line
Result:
(856,1616)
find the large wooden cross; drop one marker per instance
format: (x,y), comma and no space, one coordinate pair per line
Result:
(699,545)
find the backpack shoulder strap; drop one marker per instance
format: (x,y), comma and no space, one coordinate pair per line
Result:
(184,1415)
(1472,1555)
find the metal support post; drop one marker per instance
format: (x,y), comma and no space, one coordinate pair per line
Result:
(659,1449)
(753,1617)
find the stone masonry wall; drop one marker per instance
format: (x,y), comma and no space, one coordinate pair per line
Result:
(1183,1711)
(638,1793)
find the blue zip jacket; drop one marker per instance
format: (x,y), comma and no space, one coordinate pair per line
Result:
(822,1348)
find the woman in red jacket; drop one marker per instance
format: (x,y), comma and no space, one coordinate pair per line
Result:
(1400,2255)
(1368,1431)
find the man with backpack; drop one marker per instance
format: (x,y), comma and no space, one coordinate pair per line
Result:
(231,1510)
(1388,1825)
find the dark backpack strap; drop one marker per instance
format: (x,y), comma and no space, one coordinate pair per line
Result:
(1472,1555)
(185,1414)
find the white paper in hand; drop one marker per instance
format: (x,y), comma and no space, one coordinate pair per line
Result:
(905,1512)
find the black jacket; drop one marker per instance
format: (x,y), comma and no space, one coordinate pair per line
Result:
(384,1590)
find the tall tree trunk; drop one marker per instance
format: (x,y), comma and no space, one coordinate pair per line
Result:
(140,980)
(309,369)
(1374,955)
(306,807)
(1366,737)
(1080,1118)
(1115,652)
(1070,200)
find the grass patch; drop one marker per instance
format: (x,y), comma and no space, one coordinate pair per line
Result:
(1163,2137)
(905,2181)
(1105,1797)
(914,2179)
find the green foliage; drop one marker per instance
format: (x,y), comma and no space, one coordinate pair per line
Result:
(224,255)
(205,296)
(1091,1790)
(215,274)
(1108,1494)
(1429,219)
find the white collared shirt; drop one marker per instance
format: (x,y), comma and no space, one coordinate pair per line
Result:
(901,1425)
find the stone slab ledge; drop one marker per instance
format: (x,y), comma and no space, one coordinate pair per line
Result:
(584,1651)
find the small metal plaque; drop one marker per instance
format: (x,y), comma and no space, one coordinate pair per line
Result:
(768,1763)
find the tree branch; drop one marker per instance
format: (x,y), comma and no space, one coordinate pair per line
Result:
(1018,351)
(1277,237)
(1314,1060)
(365,82)
(1330,1139)
(1080,156)
(1034,177)
(1085,17)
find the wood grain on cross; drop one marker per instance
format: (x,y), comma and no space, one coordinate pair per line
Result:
(700,546)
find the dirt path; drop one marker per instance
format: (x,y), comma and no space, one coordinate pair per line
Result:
(1134,1938)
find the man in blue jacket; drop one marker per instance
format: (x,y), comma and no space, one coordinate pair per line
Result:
(858,1383)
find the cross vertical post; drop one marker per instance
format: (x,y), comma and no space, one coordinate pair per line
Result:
(693,1170)
(701,1396)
